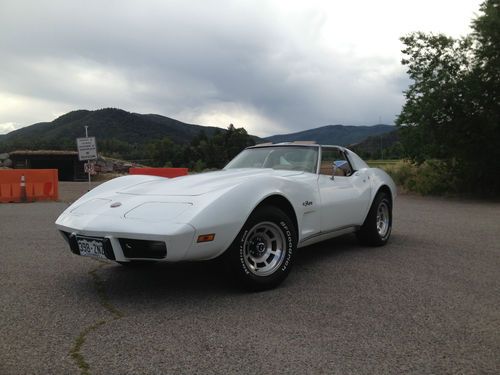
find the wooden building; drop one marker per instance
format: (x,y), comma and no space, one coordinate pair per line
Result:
(66,162)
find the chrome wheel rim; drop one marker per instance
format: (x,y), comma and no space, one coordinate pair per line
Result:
(383,219)
(264,249)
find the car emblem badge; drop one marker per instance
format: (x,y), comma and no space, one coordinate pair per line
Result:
(115,204)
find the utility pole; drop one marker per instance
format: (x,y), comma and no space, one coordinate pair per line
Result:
(88,161)
(381,151)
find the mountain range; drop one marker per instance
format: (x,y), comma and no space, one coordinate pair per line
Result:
(341,135)
(111,124)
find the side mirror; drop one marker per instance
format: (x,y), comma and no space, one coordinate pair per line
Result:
(334,170)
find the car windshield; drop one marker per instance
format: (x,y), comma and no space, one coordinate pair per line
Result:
(280,157)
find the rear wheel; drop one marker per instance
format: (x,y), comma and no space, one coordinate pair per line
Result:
(377,227)
(262,254)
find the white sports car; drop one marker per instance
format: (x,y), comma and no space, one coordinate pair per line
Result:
(268,201)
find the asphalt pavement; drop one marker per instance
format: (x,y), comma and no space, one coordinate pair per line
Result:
(427,303)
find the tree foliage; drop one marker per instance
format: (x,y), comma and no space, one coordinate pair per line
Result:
(202,152)
(147,139)
(116,130)
(452,109)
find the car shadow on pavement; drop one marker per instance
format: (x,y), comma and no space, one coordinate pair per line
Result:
(159,279)
(209,279)
(207,282)
(329,250)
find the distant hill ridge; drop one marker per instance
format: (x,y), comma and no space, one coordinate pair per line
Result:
(119,126)
(341,135)
(105,124)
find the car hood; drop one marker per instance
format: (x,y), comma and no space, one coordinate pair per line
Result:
(202,183)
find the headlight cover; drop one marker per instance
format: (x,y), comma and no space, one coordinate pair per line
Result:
(158,211)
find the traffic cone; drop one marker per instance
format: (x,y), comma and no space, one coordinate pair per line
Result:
(23,189)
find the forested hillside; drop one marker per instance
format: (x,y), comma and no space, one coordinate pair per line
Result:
(341,135)
(114,128)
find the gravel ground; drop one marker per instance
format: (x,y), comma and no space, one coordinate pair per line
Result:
(425,303)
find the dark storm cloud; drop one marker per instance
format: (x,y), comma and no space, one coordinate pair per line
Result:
(187,59)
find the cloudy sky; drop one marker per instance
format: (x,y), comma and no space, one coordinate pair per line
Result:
(271,66)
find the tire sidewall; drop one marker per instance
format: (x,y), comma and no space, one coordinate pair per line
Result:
(385,200)
(237,250)
(368,233)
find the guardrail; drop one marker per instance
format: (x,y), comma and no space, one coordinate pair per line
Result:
(28,185)
(162,172)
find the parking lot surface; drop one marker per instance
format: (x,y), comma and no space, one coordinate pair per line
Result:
(428,302)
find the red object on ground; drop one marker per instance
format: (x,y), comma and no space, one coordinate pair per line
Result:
(40,184)
(162,172)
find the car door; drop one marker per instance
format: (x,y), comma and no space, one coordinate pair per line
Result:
(344,196)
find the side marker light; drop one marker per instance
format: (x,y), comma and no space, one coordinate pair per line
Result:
(206,237)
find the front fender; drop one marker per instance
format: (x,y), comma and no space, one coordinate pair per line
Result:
(226,213)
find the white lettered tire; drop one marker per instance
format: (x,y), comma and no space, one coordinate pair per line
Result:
(377,227)
(262,254)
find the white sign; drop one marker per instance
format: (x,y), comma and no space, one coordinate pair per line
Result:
(89,168)
(87,149)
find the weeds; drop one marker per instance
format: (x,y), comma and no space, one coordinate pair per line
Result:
(432,177)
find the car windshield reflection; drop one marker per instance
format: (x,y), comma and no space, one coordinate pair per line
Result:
(283,158)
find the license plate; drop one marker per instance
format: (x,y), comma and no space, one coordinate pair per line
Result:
(91,247)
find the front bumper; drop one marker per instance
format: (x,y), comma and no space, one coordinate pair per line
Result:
(126,240)
(131,249)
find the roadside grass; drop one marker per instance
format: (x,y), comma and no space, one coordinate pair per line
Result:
(382,163)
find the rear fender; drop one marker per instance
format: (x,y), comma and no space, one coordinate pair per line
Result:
(380,180)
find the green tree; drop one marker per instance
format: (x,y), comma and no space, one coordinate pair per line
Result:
(222,146)
(236,139)
(201,153)
(163,152)
(452,109)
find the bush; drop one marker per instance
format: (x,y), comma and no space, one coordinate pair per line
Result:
(432,177)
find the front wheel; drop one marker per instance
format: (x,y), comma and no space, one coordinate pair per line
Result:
(377,227)
(262,254)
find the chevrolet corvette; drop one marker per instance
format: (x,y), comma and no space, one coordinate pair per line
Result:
(253,215)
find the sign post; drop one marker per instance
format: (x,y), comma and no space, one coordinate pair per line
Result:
(87,150)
